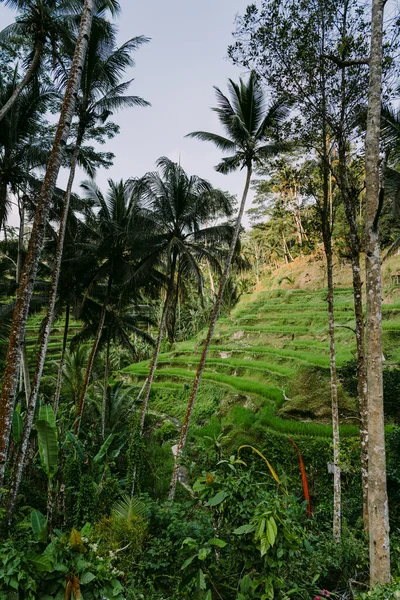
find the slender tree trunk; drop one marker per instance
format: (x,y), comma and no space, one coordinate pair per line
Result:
(27,78)
(62,358)
(21,232)
(377,493)
(207,343)
(28,276)
(212,286)
(149,381)
(157,349)
(44,340)
(105,390)
(25,371)
(327,228)
(350,210)
(350,197)
(284,248)
(89,366)
(334,397)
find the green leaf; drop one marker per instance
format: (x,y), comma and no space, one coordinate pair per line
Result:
(86,578)
(261,528)
(217,542)
(189,542)
(46,413)
(201,580)
(218,498)
(271,531)
(40,562)
(103,450)
(208,595)
(39,525)
(248,528)
(77,445)
(264,545)
(17,425)
(203,553)
(188,561)
(47,440)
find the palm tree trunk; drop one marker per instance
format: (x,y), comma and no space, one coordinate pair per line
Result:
(207,343)
(106,374)
(27,78)
(25,372)
(28,276)
(62,358)
(92,356)
(21,233)
(44,340)
(25,381)
(157,349)
(378,510)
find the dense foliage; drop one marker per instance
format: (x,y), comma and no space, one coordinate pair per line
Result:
(121,284)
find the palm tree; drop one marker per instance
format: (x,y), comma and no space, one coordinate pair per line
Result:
(100,95)
(248,125)
(117,237)
(23,146)
(28,275)
(177,206)
(40,25)
(122,325)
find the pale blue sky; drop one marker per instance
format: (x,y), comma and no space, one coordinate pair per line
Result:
(176,72)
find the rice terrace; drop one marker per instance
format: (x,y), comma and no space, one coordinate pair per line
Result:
(200,300)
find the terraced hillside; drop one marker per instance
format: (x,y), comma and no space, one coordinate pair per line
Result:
(55,344)
(268,364)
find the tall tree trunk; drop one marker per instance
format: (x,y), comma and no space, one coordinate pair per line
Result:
(28,276)
(25,372)
(62,358)
(349,203)
(92,356)
(153,366)
(378,509)
(105,390)
(326,211)
(44,340)
(350,198)
(207,343)
(21,233)
(337,508)
(26,79)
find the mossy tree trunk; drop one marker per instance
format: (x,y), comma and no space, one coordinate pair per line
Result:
(44,340)
(28,275)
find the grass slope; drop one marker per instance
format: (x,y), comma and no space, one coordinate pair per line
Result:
(273,346)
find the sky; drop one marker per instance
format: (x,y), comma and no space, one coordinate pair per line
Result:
(175,72)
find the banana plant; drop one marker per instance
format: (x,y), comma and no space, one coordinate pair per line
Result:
(48,451)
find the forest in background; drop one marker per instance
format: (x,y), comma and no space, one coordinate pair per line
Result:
(182,413)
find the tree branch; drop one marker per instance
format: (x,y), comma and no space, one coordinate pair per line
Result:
(346,63)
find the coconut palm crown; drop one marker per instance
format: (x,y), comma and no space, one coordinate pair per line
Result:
(248,123)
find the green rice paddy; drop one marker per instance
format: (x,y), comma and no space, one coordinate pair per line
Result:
(257,351)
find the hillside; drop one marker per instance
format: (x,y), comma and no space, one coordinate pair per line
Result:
(269,361)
